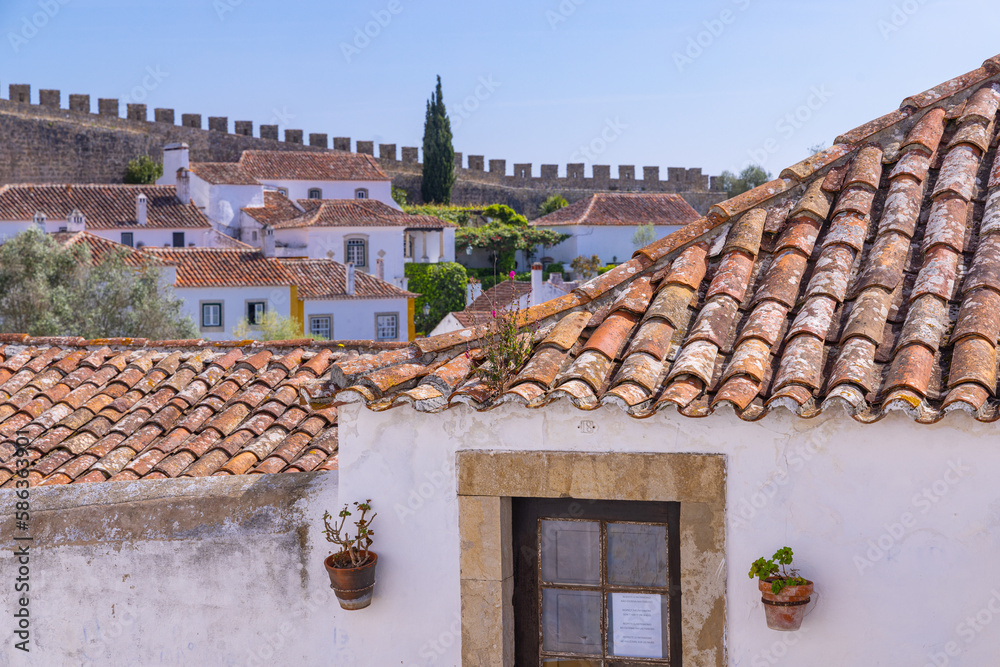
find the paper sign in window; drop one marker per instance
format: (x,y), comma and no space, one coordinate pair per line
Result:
(637,628)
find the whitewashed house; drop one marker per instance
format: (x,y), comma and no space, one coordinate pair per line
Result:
(375,237)
(605,223)
(133,215)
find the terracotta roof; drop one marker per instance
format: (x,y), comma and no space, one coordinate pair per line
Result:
(622,208)
(92,411)
(277,208)
(865,277)
(326,279)
(223,267)
(100,248)
(103,206)
(223,173)
(341,213)
(500,295)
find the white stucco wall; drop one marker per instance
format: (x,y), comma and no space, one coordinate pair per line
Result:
(354,319)
(234,306)
(224,203)
(610,243)
(190,571)
(380,190)
(157,237)
(897,523)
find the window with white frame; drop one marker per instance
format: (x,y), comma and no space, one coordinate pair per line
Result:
(321,326)
(315,193)
(255,312)
(356,251)
(283,192)
(211,315)
(361,193)
(387,326)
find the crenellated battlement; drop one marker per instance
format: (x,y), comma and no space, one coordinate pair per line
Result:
(406,161)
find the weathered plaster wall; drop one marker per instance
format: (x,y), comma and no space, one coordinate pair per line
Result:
(897,523)
(210,571)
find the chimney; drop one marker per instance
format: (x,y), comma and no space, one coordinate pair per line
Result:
(350,279)
(76,222)
(472,291)
(141,209)
(380,268)
(184,185)
(536,283)
(267,241)
(175,156)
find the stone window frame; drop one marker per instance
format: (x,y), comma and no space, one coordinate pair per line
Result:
(318,192)
(201,315)
(363,264)
(487,480)
(387,314)
(314,316)
(361,193)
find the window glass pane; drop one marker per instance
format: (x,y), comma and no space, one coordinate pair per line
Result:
(178,239)
(255,311)
(571,621)
(637,625)
(211,315)
(637,554)
(385,326)
(570,551)
(356,251)
(127,239)
(320,326)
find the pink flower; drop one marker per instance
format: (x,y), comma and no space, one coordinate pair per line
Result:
(493,313)
(511,275)
(466,355)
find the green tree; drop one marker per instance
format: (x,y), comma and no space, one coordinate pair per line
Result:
(504,234)
(143,170)
(552,204)
(644,235)
(51,290)
(439,156)
(441,288)
(272,326)
(399,195)
(587,268)
(751,176)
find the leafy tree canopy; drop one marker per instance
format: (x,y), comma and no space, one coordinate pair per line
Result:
(143,170)
(552,204)
(439,155)
(644,235)
(441,288)
(272,326)
(47,289)
(751,176)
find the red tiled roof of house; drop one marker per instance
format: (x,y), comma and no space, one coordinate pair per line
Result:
(622,208)
(101,248)
(103,206)
(312,166)
(223,267)
(326,279)
(127,409)
(339,213)
(277,208)
(223,173)
(866,276)
(501,295)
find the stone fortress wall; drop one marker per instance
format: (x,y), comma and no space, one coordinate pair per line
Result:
(46,142)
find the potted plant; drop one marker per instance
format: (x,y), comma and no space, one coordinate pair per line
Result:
(352,569)
(784,593)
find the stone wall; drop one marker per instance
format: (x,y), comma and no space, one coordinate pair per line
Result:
(47,143)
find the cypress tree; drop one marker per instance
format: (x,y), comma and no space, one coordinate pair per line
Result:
(439,155)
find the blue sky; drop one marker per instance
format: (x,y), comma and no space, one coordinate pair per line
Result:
(711,84)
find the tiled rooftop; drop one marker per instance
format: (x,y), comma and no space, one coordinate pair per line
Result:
(622,208)
(223,267)
(92,411)
(256,166)
(100,248)
(866,278)
(280,213)
(103,206)
(501,295)
(326,279)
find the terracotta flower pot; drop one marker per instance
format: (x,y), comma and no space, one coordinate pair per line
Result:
(353,585)
(785,610)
